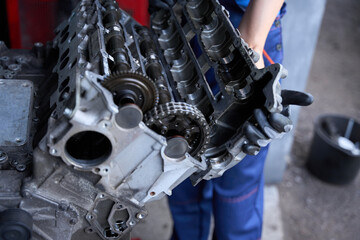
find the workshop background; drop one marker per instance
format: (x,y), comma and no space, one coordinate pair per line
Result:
(322,54)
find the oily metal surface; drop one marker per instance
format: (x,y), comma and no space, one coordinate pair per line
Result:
(15,98)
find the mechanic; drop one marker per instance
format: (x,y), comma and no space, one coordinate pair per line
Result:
(235,199)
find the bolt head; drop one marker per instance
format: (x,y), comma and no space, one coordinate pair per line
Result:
(67,112)
(140,216)
(20,167)
(53,151)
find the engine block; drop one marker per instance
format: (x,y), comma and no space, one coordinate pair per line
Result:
(111,115)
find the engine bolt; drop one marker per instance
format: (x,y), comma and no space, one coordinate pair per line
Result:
(53,151)
(68,112)
(140,216)
(20,167)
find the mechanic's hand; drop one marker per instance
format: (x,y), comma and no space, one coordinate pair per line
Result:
(267,126)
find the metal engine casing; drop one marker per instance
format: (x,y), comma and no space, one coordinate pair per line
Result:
(111,115)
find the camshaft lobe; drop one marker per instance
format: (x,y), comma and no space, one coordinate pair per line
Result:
(114,40)
(218,42)
(200,11)
(153,66)
(182,67)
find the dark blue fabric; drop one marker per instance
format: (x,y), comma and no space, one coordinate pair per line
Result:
(235,199)
(242,3)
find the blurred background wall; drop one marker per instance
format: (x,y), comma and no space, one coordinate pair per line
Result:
(24,22)
(301,25)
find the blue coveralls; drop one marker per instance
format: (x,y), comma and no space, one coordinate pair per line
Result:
(235,199)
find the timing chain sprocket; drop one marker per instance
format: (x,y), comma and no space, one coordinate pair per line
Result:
(132,88)
(175,119)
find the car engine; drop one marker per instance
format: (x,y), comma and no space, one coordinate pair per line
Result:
(111,115)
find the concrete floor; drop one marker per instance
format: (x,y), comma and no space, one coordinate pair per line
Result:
(303,207)
(312,209)
(158,225)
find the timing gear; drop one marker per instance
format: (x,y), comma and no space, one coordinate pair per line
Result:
(132,88)
(175,119)
(90,155)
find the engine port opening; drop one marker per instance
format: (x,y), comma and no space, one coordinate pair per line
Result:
(88,148)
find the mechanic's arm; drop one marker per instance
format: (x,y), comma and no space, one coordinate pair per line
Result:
(256,24)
